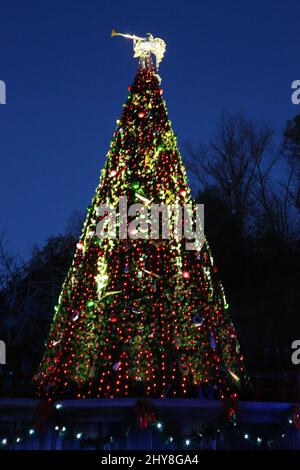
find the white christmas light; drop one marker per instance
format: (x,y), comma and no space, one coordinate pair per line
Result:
(58,406)
(4,442)
(79,435)
(159,425)
(187,442)
(259,440)
(31,432)
(171,439)
(63,429)
(56,428)
(246,436)
(18,439)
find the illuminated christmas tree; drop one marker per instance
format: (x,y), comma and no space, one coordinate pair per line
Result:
(135,315)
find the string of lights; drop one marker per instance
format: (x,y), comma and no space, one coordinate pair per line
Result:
(255,436)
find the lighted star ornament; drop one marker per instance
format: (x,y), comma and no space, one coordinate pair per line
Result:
(144,47)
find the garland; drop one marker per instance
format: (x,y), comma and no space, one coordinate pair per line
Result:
(144,415)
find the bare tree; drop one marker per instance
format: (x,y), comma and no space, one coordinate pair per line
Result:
(27,298)
(231,162)
(272,209)
(291,150)
(10,264)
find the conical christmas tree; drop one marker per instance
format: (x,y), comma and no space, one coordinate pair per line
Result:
(140,316)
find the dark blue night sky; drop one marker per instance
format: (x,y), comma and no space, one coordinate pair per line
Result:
(67,81)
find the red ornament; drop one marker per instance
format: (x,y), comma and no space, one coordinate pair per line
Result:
(184,369)
(161,91)
(141,114)
(216,357)
(129,88)
(185,274)
(113,318)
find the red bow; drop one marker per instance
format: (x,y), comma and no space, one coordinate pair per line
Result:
(145,411)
